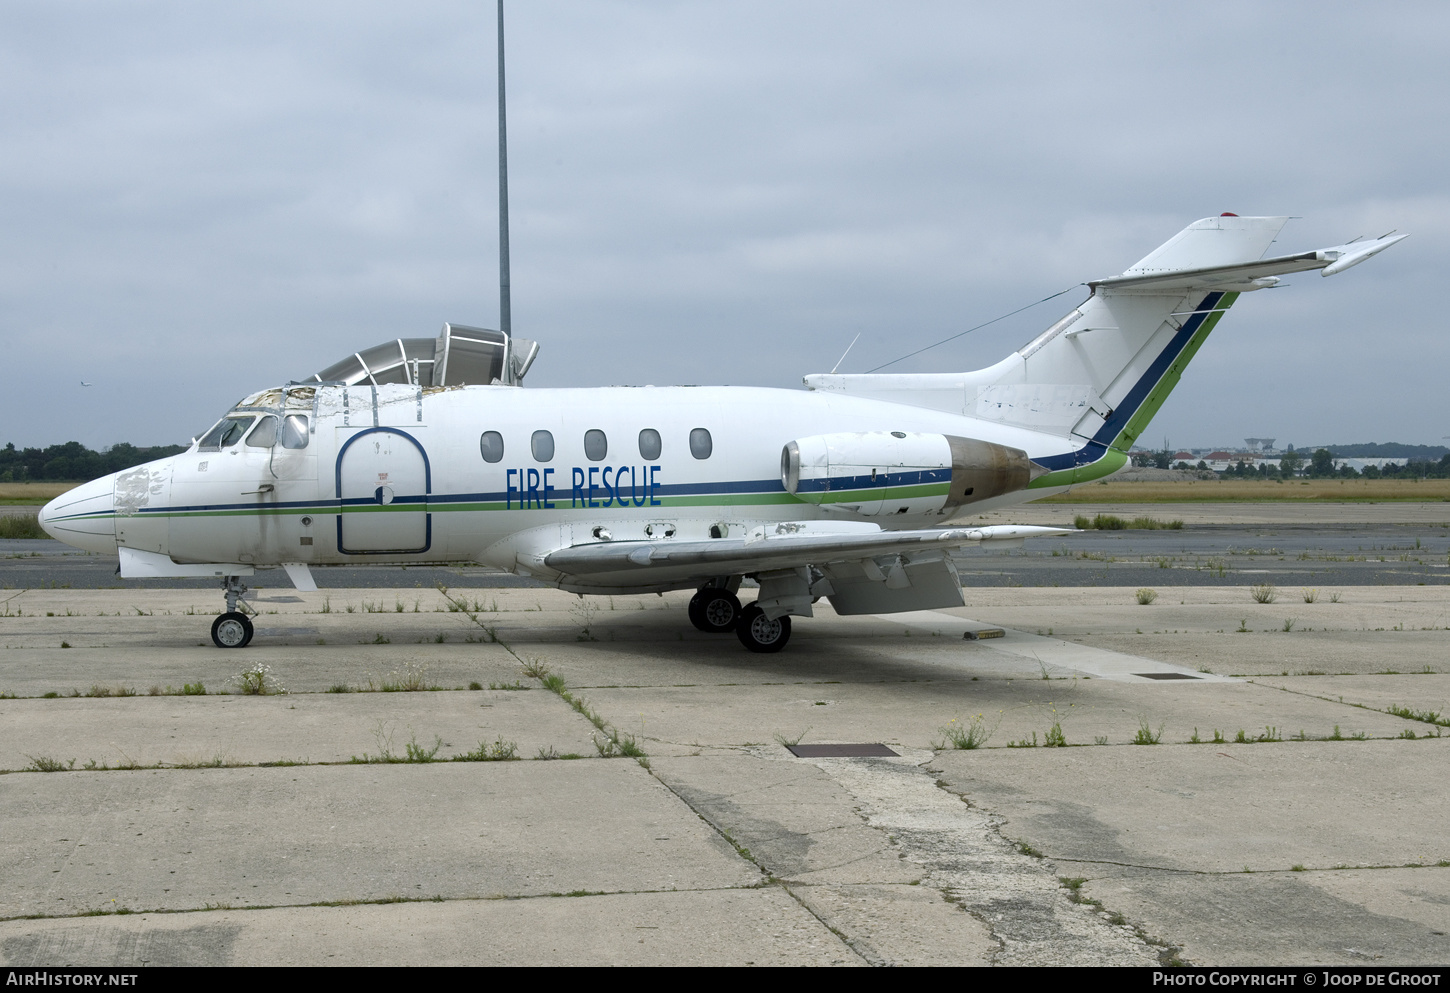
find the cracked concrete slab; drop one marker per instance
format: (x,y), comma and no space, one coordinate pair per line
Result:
(1217,808)
(1291,919)
(700,928)
(183,839)
(313,669)
(297,727)
(680,720)
(1428,695)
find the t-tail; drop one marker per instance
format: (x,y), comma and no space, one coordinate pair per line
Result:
(1095,378)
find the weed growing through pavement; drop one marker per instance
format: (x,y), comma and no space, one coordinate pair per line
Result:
(965,736)
(257,680)
(499,751)
(613,743)
(1263,593)
(551,753)
(1334,597)
(1310,595)
(44,763)
(1146,596)
(1146,735)
(1243,627)
(1024,743)
(1055,738)
(1288,625)
(1100,739)
(1428,716)
(412,751)
(787,742)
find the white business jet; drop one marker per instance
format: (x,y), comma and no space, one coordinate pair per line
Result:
(427,450)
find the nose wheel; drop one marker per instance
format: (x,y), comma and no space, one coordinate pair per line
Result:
(232,629)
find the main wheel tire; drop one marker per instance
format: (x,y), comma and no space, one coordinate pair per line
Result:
(232,630)
(714,611)
(760,634)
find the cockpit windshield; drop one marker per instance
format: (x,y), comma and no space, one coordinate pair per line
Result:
(225,433)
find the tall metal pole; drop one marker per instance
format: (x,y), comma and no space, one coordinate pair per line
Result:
(505,318)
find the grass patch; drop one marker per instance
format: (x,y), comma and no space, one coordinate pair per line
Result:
(21,526)
(1253,490)
(1111,522)
(1146,596)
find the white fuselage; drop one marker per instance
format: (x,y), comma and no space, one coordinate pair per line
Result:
(398,474)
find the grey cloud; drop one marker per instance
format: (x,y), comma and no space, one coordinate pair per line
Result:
(197,201)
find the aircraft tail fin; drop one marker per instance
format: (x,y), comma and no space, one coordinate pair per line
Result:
(1098,375)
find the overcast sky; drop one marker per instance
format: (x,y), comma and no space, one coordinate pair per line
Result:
(200,200)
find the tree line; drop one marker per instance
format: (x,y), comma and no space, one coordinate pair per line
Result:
(1323,464)
(72,461)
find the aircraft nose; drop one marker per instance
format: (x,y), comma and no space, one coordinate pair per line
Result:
(84,517)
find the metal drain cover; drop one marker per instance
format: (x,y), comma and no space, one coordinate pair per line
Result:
(839,751)
(1165,675)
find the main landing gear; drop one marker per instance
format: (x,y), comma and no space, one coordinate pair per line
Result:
(716,610)
(232,629)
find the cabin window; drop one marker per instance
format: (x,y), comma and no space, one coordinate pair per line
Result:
(542,444)
(294,431)
(649,444)
(264,435)
(700,443)
(491,446)
(596,446)
(227,432)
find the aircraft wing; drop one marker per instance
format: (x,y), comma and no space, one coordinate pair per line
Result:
(785,549)
(1250,275)
(861,571)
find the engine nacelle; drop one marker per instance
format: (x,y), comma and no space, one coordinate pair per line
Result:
(881,473)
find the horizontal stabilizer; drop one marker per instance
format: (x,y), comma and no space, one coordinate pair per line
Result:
(1243,276)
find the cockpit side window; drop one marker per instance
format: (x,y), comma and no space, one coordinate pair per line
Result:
(227,432)
(264,435)
(294,431)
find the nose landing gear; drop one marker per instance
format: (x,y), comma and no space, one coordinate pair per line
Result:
(232,629)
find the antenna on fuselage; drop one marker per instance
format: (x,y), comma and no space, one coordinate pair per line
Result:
(505,318)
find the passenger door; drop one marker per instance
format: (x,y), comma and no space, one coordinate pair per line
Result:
(383,481)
